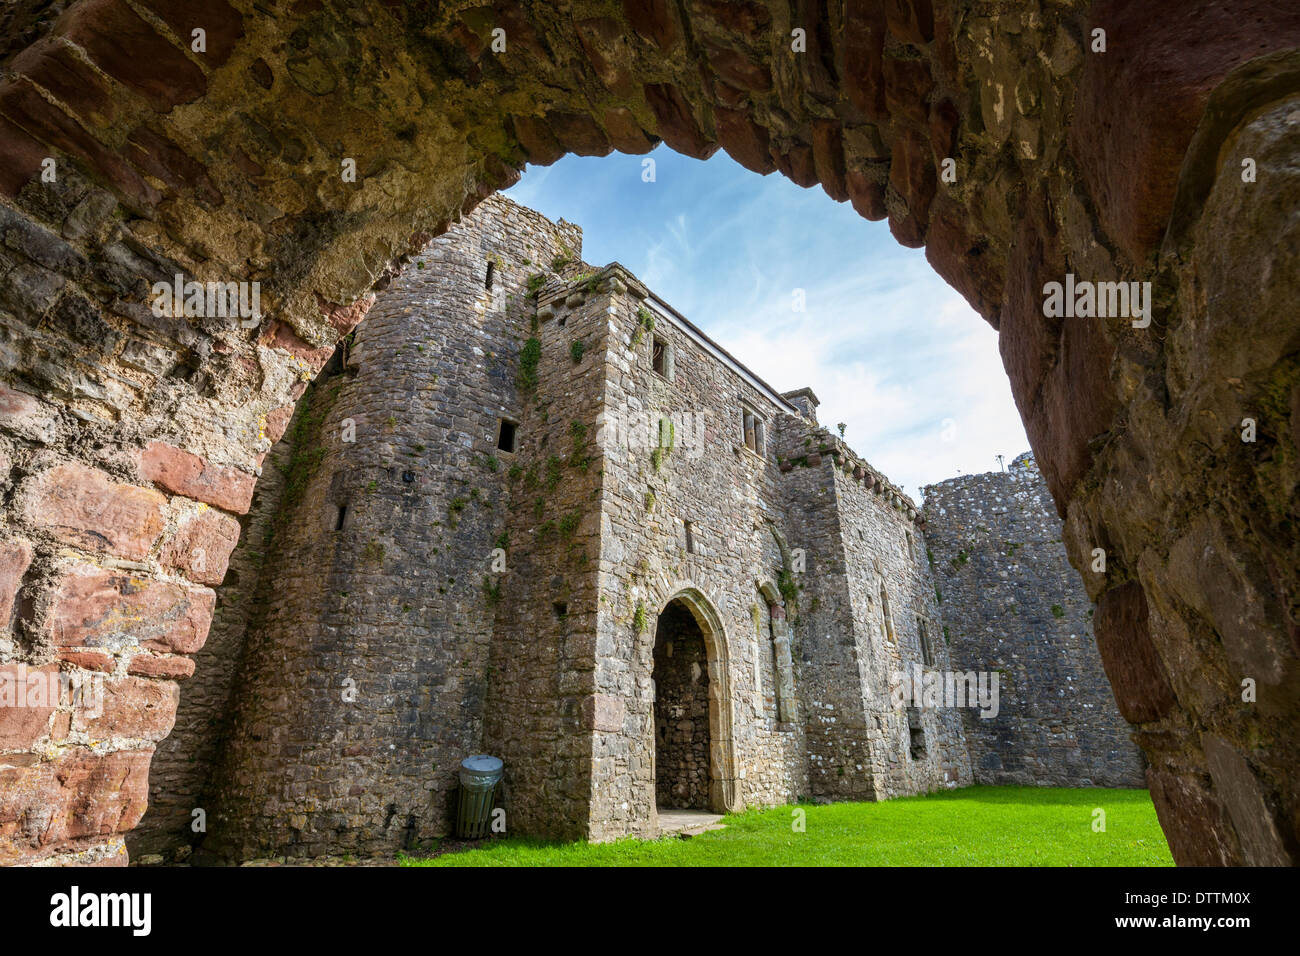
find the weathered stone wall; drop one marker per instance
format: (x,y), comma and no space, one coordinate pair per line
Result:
(866,547)
(1013,605)
(366,660)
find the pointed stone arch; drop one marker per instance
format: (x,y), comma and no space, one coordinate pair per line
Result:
(724,789)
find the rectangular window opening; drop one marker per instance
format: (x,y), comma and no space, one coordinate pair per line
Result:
(342,516)
(690,537)
(659,357)
(506,437)
(491,275)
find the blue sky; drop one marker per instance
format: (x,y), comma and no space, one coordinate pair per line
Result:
(888,347)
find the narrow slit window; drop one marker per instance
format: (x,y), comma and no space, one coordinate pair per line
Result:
(342,516)
(506,437)
(659,357)
(749,430)
(690,537)
(491,275)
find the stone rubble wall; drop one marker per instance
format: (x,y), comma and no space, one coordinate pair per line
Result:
(394,600)
(1012,604)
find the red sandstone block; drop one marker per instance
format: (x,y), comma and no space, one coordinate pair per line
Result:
(185,474)
(89,660)
(93,607)
(172,668)
(744,140)
(221,23)
(345,318)
(134,708)
(162,159)
(280,335)
(277,420)
(20,158)
(84,507)
(625,133)
(23,103)
(28,696)
(537,140)
(80,794)
(128,49)
(51,64)
(867,196)
(677,125)
(15,556)
(655,20)
(200,548)
(828,158)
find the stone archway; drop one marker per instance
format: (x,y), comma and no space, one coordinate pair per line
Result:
(697,686)
(311,148)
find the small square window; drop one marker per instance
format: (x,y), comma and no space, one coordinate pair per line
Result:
(506,437)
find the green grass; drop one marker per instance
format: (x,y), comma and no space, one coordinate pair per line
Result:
(977,826)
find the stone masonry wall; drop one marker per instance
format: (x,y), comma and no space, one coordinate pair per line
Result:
(365,670)
(1012,604)
(863,541)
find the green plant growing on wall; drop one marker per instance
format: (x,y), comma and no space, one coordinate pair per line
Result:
(569,525)
(645,323)
(1058,611)
(841,426)
(961,559)
(553,472)
(665,445)
(649,501)
(535,283)
(491,590)
(539,508)
(454,508)
(529,356)
(576,348)
(503,540)
(938,596)
(561,260)
(514,472)
(639,622)
(785,583)
(373,552)
(577,457)
(490,462)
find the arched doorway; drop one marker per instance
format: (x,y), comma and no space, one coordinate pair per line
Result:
(681,711)
(694,767)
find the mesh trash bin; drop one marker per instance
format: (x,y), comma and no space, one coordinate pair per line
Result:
(479,776)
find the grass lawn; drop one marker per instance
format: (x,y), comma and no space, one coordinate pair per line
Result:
(977,826)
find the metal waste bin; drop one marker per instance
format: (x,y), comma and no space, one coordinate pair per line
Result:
(479,776)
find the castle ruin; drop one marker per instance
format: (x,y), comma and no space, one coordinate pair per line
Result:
(529,509)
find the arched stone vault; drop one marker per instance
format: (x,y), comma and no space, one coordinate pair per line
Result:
(226,164)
